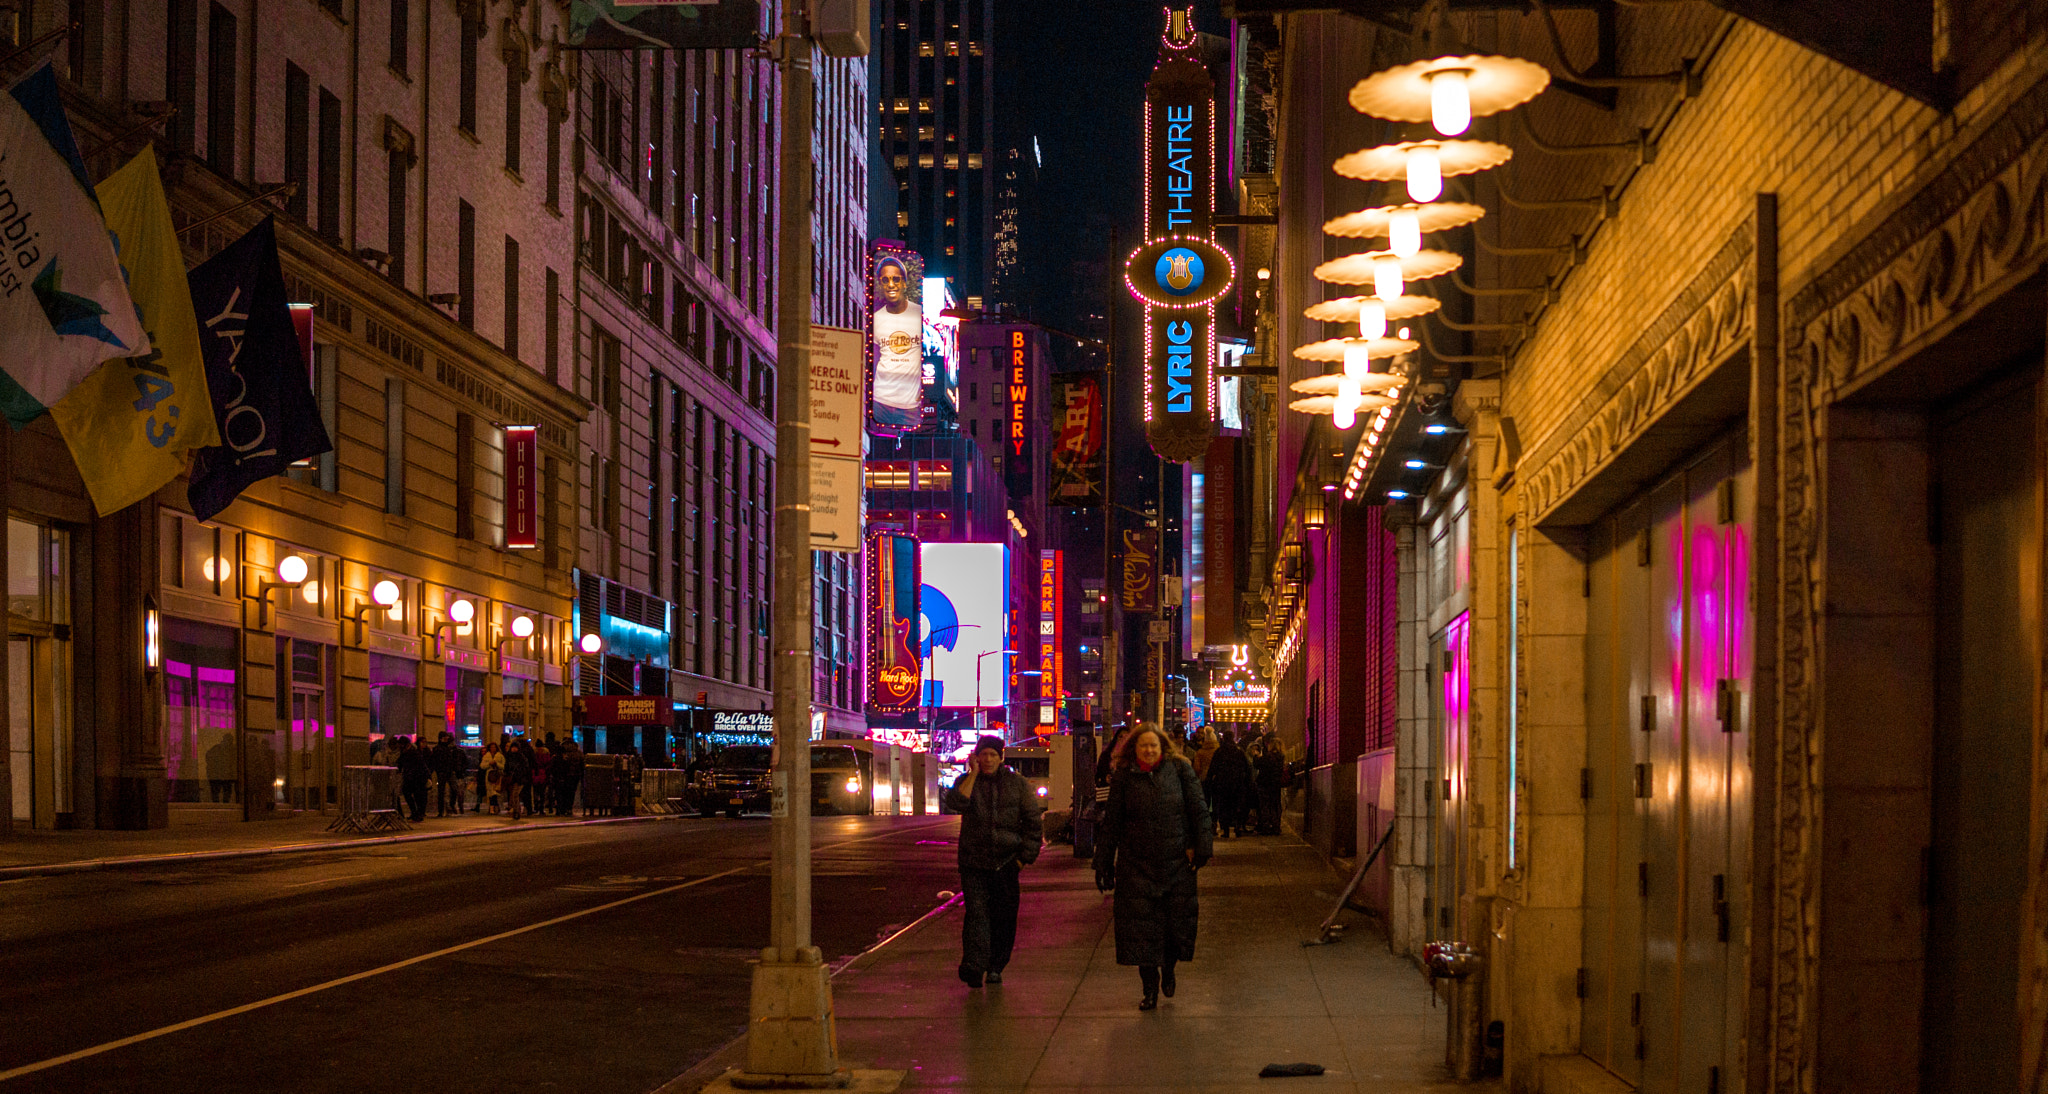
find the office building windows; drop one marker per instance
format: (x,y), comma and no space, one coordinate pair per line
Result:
(511,296)
(465,264)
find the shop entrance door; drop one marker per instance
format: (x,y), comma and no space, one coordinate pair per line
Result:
(39,732)
(309,780)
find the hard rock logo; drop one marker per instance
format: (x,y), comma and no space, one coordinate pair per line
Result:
(899,342)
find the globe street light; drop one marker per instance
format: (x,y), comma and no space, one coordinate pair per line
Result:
(977,672)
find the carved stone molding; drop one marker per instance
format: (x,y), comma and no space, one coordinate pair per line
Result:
(1709,319)
(398,139)
(516,48)
(1944,251)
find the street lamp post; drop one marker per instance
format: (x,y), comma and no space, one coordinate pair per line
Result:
(927,641)
(977,673)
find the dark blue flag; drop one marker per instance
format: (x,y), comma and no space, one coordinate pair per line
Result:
(262,396)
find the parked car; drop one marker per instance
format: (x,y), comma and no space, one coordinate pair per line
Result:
(841,780)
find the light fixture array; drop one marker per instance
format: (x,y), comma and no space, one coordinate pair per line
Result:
(1448,92)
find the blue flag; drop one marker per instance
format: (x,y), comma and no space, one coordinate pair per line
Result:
(262,396)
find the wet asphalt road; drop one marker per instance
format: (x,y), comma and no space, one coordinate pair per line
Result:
(621,999)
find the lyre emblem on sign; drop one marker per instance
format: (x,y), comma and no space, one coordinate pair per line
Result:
(1179,275)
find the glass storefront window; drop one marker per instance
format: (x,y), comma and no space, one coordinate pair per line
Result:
(394,697)
(519,715)
(200,699)
(465,705)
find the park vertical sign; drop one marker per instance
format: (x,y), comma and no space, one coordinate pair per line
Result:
(1179,272)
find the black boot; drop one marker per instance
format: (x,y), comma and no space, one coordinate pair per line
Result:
(970,977)
(1148,975)
(1166,980)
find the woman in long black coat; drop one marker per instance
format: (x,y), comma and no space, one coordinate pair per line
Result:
(1153,837)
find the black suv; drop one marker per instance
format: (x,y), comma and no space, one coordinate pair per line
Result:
(736,781)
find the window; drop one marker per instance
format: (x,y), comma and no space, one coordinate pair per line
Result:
(220,90)
(181,72)
(298,125)
(515,77)
(468,36)
(465,476)
(320,472)
(401,23)
(888,475)
(554,200)
(330,165)
(394,446)
(202,759)
(398,164)
(554,336)
(465,263)
(934,475)
(511,296)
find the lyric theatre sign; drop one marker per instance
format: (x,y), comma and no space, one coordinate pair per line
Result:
(1179,272)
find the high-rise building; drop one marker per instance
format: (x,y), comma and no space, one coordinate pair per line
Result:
(932,79)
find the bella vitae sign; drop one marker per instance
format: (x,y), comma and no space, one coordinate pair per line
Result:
(1180,272)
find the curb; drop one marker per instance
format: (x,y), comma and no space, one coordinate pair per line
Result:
(89,865)
(733,1053)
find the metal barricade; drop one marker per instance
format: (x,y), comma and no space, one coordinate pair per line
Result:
(662,789)
(369,801)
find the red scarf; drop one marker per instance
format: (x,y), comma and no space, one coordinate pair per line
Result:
(1151,767)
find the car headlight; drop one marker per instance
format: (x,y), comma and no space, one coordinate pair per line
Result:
(853,785)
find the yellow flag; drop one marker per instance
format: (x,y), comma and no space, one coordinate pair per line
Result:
(133,422)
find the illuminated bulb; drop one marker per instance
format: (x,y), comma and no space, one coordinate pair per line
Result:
(384,593)
(1402,333)
(1425,173)
(590,643)
(291,569)
(462,611)
(1357,361)
(1372,318)
(1404,233)
(1349,395)
(1450,101)
(522,626)
(1386,277)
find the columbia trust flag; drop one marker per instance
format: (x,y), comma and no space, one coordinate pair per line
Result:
(64,306)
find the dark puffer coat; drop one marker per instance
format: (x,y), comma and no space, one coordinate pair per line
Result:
(1153,819)
(1001,824)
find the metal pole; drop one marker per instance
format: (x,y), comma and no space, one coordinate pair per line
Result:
(791,1038)
(1111,640)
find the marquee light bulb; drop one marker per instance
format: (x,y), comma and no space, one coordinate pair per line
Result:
(1404,233)
(1425,173)
(1372,318)
(1386,277)
(1450,101)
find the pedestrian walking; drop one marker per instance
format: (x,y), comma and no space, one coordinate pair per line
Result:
(518,776)
(490,774)
(413,774)
(1001,822)
(571,777)
(1230,777)
(1269,774)
(449,765)
(1154,835)
(543,758)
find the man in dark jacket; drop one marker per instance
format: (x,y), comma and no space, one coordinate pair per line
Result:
(448,765)
(1230,773)
(565,774)
(413,774)
(1000,829)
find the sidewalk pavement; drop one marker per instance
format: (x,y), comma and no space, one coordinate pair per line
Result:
(41,851)
(1065,1019)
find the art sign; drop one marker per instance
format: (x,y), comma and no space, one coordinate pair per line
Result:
(1179,272)
(1076,457)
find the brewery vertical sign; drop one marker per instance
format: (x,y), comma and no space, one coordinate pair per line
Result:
(1179,272)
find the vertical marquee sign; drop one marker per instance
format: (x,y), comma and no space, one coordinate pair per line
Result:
(522,488)
(1051,632)
(1179,272)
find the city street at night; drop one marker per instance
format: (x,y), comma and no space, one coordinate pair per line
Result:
(599,959)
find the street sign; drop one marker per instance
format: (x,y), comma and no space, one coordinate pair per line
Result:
(835,503)
(838,377)
(1159,631)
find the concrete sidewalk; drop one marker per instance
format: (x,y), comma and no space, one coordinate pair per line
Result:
(1065,1019)
(39,851)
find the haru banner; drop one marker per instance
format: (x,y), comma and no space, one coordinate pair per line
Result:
(131,423)
(256,371)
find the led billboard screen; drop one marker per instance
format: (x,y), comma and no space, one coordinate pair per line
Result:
(965,608)
(896,334)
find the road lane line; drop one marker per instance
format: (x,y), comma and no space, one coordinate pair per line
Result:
(318,880)
(190,1023)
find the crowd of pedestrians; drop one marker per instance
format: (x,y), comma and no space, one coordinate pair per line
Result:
(518,776)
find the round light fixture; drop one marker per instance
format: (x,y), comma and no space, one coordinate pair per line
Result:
(1354,309)
(1434,216)
(462,611)
(1334,350)
(384,593)
(1369,383)
(590,643)
(1324,404)
(1449,91)
(292,570)
(1389,162)
(522,626)
(1360,269)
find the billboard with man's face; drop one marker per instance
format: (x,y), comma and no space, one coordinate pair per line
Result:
(895,338)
